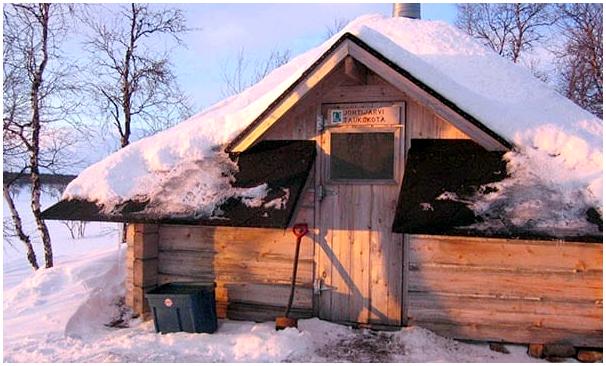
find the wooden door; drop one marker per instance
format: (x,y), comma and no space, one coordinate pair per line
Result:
(360,269)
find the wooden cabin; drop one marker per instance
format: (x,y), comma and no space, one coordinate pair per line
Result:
(343,138)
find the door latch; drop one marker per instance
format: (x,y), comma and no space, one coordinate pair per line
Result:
(323,192)
(320,286)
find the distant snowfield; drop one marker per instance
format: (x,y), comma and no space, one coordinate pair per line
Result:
(58,315)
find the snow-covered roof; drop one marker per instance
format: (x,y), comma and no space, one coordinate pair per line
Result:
(561,142)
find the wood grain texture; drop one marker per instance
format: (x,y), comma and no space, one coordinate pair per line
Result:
(515,334)
(507,290)
(367,93)
(427,125)
(142,264)
(251,267)
(543,256)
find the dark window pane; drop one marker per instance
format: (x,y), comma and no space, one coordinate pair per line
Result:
(361,155)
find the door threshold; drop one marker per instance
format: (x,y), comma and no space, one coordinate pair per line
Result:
(371,326)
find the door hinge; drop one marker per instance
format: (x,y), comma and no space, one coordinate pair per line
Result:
(320,122)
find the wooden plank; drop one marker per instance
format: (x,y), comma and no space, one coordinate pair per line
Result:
(385,259)
(226,277)
(185,237)
(359,209)
(268,270)
(262,313)
(394,301)
(341,264)
(240,243)
(130,255)
(264,294)
(199,237)
(145,272)
(320,255)
(329,216)
(146,228)
(425,124)
(528,255)
(514,334)
(507,313)
(168,277)
(234,271)
(446,130)
(585,286)
(355,71)
(425,300)
(590,356)
(367,93)
(145,245)
(130,234)
(405,294)
(379,293)
(478,239)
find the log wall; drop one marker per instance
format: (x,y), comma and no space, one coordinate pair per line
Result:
(251,267)
(515,291)
(141,264)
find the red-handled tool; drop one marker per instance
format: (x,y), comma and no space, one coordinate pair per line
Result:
(300,230)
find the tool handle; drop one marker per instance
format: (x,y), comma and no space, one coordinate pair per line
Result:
(299,230)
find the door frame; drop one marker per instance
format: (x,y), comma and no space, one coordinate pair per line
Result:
(323,179)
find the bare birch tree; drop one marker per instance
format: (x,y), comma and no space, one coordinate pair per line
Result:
(335,27)
(132,80)
(580,60)
(17,227)
(509,29)
(243,72)
(35,86)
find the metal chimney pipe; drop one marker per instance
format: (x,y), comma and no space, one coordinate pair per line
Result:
(407,10)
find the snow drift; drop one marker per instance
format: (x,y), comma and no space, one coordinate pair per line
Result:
(558,143)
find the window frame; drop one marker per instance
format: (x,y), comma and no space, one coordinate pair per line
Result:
(395,129)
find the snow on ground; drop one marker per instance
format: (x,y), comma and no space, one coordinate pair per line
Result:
(560,142)
(58,315)
(66,249)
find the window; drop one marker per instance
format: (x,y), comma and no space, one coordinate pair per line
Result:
(362,156)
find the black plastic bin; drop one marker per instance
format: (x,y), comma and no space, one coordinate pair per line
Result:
(183,307)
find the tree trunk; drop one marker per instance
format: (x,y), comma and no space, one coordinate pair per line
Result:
(35,139)
(31,255)
(42,229)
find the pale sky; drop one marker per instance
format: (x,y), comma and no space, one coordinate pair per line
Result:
(258,28)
